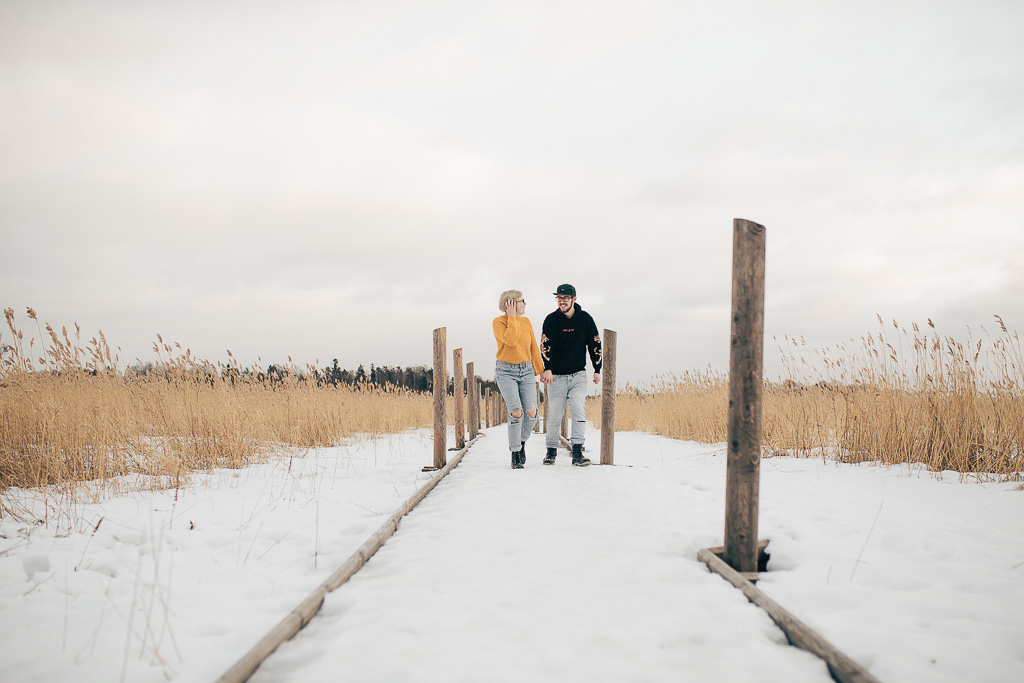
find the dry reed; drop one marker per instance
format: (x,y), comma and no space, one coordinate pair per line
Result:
(690,407)
(913,397)
(71,413)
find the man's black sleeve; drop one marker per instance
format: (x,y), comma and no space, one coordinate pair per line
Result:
(594,346)
(545,343)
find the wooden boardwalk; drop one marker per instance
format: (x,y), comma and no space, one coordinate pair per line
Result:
(544,574)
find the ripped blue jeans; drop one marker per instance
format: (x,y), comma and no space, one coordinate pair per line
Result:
(519,389)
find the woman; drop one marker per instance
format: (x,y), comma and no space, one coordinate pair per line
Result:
(518,362)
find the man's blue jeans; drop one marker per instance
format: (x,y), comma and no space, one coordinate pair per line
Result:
(519,389)
(572,389)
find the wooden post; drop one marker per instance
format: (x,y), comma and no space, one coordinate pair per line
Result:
(440,391)
(536,425)
(745,384)
(477,392)
(608,398)
(460,405)
(546,408)
(487,408)
(473,401)
(565,419)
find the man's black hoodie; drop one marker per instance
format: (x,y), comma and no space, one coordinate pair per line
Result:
(564,342)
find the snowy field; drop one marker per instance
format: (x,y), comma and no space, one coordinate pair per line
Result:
(544,574)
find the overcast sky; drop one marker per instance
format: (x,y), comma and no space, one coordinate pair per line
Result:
(336,179)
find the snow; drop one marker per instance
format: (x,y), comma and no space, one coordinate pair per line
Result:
(544,574)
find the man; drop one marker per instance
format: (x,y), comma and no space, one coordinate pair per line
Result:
(568,334)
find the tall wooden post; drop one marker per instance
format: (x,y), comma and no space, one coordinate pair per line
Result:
(745,384)
(546,408)
(460,404)
(473,401)
(440,391)
(477,392)
(487,408)
(608,398)
(565,419)
(536,425)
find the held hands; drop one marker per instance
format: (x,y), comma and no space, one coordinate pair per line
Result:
(546,377)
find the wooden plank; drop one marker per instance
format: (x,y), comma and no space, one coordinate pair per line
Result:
(842,668)
(745,383)
(307,609)
(608,398)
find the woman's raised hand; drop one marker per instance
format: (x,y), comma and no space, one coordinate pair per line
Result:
(510,307)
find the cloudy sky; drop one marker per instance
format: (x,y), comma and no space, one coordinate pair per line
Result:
(335,179)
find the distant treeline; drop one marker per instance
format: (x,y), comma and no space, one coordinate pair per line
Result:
(418,378)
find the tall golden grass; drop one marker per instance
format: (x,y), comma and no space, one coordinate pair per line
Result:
(71,412)
(899,397)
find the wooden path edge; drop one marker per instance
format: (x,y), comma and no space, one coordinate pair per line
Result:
(842,668)
(307,609)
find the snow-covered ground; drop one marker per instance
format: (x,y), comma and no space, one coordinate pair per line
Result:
(544,574)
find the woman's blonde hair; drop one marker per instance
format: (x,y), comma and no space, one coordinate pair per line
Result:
(513,294)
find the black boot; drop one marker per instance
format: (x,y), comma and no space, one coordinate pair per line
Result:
(522,454)
(549,459)
(517,463)
(577,456)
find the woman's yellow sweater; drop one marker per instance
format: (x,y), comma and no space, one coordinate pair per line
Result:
(516,341)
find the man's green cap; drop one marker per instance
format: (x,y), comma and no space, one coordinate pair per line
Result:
(565,290)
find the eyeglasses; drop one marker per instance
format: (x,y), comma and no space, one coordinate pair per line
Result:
(563,299)
(521,301)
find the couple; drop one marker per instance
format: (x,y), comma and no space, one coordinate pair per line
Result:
(561,362)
